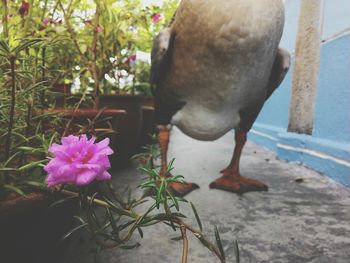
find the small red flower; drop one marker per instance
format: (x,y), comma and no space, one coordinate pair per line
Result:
(132,58)
(99,29)
(46,21)
(156,18)
(24,8)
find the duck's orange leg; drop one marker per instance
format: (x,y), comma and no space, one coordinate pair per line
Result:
(231,180)
(177,189)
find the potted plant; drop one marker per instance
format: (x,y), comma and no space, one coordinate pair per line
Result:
(112,49)
(46,177)
(23,147)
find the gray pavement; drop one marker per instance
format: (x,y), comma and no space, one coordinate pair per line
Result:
(304,221)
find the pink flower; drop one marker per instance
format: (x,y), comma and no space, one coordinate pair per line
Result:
(132,58)
(78,161)
(156,18)
(24,8)
(46,21)
(99,29)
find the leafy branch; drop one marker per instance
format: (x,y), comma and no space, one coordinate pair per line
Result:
(122,219)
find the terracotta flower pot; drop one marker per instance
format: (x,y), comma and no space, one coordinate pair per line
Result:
(130,125)
(148,125)
(148,102)
(81,117)
(30,231)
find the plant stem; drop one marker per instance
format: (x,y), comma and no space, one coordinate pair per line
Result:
(12,107)
(29,17)
(94,51)
(4,19)
(185,244)
(30,105)
(44,10)
(198,234)
(92,67)
(96,201)
(43,64)
(66,129)
(73,37)
(139,217)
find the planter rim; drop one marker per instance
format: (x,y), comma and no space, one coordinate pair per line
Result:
(19,204)
(122,97)
(87,112)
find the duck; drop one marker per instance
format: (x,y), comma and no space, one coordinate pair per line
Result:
(212,70)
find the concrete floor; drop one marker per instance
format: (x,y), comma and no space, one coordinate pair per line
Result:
(306,221)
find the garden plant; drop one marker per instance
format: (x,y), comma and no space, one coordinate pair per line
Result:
(92,47)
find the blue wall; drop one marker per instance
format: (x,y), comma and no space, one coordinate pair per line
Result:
(327,150)
(336,17)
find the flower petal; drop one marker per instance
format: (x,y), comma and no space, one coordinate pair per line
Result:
(85,177)
(104,176)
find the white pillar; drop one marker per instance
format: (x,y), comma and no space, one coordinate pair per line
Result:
(307,60)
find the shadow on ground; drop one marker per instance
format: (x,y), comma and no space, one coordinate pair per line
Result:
(304,217)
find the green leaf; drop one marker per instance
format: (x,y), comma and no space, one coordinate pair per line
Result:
(26,148)
(218,242)
(197,217)
(97,254)
(148,184)
(40,185)
(173,199)
(176,177)
(160,190)
(170,165)
(11,158)
(20,136)
(79,219)
(177,238)
(61,201)
(140,232)
(123,226)
(4,47)
(31,165)
(13,188)
(83,47)
(114,207)
(26,44)
(5,169)
(74,230)
(237,252)
(115,230)
(130,246)
(150,172)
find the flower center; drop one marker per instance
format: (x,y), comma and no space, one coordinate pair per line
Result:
(87,157)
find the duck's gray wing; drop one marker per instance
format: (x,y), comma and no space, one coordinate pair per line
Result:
(161,56)
(279,70)
(167,103)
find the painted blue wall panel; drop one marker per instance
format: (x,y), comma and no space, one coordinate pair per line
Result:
(332,113)
(336,17)
(292,10)
(327,150)
(276,109)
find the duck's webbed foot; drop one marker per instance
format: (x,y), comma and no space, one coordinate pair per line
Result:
(236,183)
(179,189)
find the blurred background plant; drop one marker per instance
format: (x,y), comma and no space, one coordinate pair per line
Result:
(49,47)
(24,128)
(99,45)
